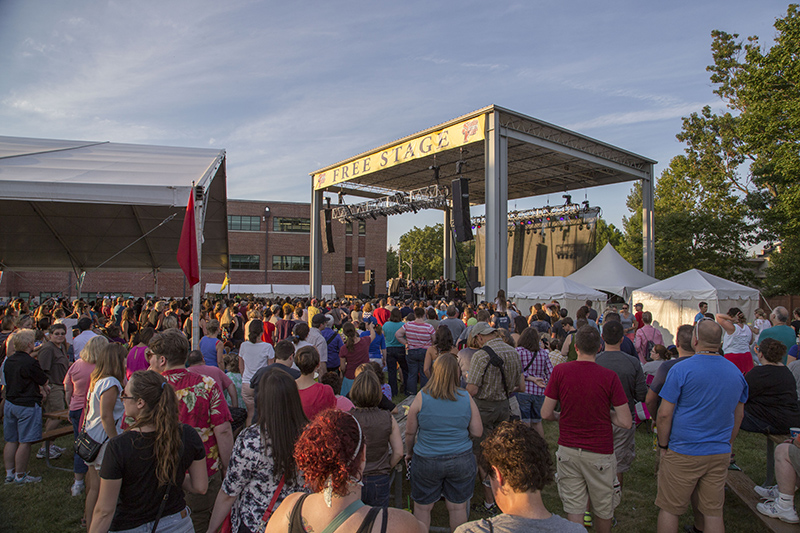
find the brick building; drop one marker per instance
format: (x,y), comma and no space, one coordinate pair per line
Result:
(263,248)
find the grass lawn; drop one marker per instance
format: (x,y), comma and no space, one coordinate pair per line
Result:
(48,506)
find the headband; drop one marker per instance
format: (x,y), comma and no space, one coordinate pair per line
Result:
(360,435)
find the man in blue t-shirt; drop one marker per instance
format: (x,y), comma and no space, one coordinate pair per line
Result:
(701,409)
(703,310)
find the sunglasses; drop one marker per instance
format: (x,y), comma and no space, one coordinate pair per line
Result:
(127,398)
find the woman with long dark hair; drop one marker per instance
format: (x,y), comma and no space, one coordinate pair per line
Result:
(153,462)
(442,344)
(354,353)
(331,453)
(262,456)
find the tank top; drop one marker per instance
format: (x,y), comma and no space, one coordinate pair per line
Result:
(377,426)
(443,426)
(296,518)
(738,341)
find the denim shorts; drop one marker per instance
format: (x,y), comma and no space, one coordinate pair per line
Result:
(376,490)
(451,476)
(180,522)
(530,406)
(22,424)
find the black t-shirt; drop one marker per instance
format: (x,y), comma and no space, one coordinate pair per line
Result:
(773,396)
(130,457)
(23,377)
(796,325)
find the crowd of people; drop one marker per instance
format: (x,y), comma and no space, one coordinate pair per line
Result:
(286,410)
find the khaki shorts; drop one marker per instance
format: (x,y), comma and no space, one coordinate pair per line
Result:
(681,475)
(55,400)
(624,447)
(581,475)
(492,414)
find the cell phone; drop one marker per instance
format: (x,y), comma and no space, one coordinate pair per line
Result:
(37,344)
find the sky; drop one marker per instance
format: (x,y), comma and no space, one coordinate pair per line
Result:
(288,88)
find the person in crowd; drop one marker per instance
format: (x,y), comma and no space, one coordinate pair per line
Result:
(535,364)
(317,339)
(333,342)
(638,314)
(196,363)
(628,322)
(658,355)
(377,348)
(76,387)
(519,467)
(353,353)
(332,455)
(780,330)
(213,348)
(300,333)
(235,375)
(555,352)
(381,435)
(494,373)
(771,405)
(685,348)
(254,353)
(315,397)
(209,415)
(137,358)
(702,404)
(153,462)
(440,422)
(86,333)
(761,321)
(104,413)
(262,462)
(592,399)
(736,338)
(334,380)
(442,344)
(395,351)
(7,325)
(703,306)
(453,322)
(381,313)
(22,412)
(128,324)
(780,498)
(646,336)
(633,383)
(417,336)
(54,360)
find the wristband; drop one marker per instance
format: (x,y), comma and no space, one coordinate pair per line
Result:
(664,447)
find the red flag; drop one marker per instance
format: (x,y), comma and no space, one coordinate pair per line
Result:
(187,249)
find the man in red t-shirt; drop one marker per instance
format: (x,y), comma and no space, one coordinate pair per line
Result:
(586,463)
(380,313)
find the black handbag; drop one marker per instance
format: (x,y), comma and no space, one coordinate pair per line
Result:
(85,446)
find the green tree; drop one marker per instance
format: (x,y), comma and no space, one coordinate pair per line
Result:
(631,245)
(607,233)
(392,267)
(761,86)
(424,248)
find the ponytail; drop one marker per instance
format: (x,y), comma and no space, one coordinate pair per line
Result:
(350,335)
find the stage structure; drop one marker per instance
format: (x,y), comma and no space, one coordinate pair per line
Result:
(503,154)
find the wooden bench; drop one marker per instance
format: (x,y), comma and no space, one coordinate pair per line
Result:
(47,437)
(741,485)
(402,418)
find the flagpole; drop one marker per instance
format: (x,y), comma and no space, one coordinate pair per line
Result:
(196,289)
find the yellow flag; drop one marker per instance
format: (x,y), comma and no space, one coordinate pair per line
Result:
(225,283)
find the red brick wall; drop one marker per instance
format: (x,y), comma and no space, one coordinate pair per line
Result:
(371,246)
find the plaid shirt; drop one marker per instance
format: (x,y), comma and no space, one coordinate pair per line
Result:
(488,378)
(541,367)
(202,406)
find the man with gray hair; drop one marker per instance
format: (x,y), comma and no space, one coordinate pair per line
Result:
(780,330)
(453,323)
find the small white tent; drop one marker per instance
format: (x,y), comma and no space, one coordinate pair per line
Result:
(610,272)
(270,290)
(674,301)
(528,290)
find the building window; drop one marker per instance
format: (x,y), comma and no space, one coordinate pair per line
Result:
(348,265)
(362,228)
(245,262)
(292,225)
(362,263)
(243,223)
(348,228)
(290,262)
(45,295)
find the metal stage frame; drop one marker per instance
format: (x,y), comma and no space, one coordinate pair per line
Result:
(505,155)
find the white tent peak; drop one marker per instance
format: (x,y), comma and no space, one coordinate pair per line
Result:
(610,272)
(696,281)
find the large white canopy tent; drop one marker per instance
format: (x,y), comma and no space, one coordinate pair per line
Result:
(83,206)
(610,272)
(528,290)
(674,301)
(269,290)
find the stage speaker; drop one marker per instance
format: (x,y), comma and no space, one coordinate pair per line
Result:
(394,286)
(461,217)
(327,231)
(369,276)
(472,276)
(368,289)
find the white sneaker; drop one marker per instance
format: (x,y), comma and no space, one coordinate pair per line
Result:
(77,489)
(59,449)
(772,509)
(767,493)
(27,478)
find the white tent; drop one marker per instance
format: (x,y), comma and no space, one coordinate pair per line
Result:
(609,272)
(269,290)
(674,301)
(528,290)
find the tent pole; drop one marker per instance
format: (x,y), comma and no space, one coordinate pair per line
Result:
(196,294)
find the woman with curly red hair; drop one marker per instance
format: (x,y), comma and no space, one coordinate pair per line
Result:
(332,455)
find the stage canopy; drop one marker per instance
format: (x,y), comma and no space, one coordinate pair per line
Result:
(505,155)
(83,206)
(610,272)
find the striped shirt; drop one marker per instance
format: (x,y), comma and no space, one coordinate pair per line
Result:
(418,334)
(541,367)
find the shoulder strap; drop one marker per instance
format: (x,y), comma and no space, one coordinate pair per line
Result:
(343,516)
(296,518)
(497,361)
(275,496)
(533,356)
(369,520)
